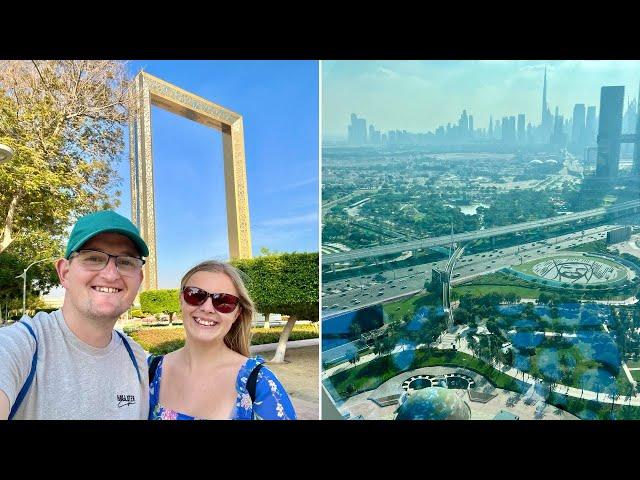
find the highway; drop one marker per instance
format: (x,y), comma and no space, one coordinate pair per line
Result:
(357,292)
(474,235)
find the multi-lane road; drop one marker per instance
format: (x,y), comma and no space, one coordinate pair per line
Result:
(357,292)
(474,235)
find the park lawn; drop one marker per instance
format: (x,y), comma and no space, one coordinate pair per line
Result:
(633,363)
(581,366)
(160,341)
(479,290)
(504,284)
(592,410)
(371,375)
(397,310)
(636,375)
(598,246)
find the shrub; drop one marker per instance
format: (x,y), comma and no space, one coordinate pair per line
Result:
(157,302)
(160,341)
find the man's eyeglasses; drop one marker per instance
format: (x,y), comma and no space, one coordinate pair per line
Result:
(222,302)
(95,260)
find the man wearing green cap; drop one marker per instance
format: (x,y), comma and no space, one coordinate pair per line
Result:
(71,363)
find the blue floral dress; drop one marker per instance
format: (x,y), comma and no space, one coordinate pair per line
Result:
(271,400)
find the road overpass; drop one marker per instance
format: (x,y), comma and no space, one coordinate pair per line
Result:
(474,235)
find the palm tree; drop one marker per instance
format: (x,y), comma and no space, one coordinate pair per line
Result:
(614,396)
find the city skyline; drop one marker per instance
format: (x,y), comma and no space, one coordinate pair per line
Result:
(420,97)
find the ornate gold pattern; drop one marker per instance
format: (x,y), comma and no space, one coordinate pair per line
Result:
(148,90)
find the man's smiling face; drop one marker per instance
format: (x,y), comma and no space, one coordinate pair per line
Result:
(106,294)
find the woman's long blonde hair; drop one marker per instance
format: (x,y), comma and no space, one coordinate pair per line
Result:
(238,338)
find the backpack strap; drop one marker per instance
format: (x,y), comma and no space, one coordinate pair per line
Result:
(153,366)
(131,355)
(32,373)
(252,380)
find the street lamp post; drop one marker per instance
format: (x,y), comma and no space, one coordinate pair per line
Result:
(23,275)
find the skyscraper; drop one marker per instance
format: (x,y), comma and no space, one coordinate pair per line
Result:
(463,124)
(558,137)
(490,133)
(629,126)
(522,134)
(357,131)
(636,150)
(470,126)
(546,123)
(509,129)
(578,130)
(590,130)
(609,130)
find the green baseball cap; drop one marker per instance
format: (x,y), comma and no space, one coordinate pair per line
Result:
(106,221)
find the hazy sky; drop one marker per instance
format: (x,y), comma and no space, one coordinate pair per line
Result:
(419,96)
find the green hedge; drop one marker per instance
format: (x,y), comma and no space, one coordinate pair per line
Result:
(160,341)
(374,373)
(160,301)
(286,283)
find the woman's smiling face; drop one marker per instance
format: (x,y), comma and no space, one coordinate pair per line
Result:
(204,323)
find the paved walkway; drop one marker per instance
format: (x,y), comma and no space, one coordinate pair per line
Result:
(267,347)
(299,375)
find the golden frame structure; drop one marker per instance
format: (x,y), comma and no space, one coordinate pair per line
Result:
(147,90)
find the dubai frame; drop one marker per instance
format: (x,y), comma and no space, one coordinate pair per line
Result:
(148,90)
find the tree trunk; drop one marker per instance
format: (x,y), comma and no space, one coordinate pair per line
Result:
(266,320)
(284,338)
(8,224)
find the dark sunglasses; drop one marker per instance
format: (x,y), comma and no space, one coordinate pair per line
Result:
(222,302)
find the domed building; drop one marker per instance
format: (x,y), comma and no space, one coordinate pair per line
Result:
(433,403)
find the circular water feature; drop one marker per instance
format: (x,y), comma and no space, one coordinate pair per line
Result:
(450,380)
(420,383)
(460,381)
(417,382)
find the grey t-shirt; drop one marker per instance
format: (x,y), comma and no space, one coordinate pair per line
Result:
(73,380)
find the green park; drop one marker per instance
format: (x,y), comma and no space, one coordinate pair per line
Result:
(527,338)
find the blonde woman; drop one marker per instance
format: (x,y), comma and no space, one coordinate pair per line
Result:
(212,376)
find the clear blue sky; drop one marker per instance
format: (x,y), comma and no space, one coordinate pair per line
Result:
(419,96)
(279,104)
